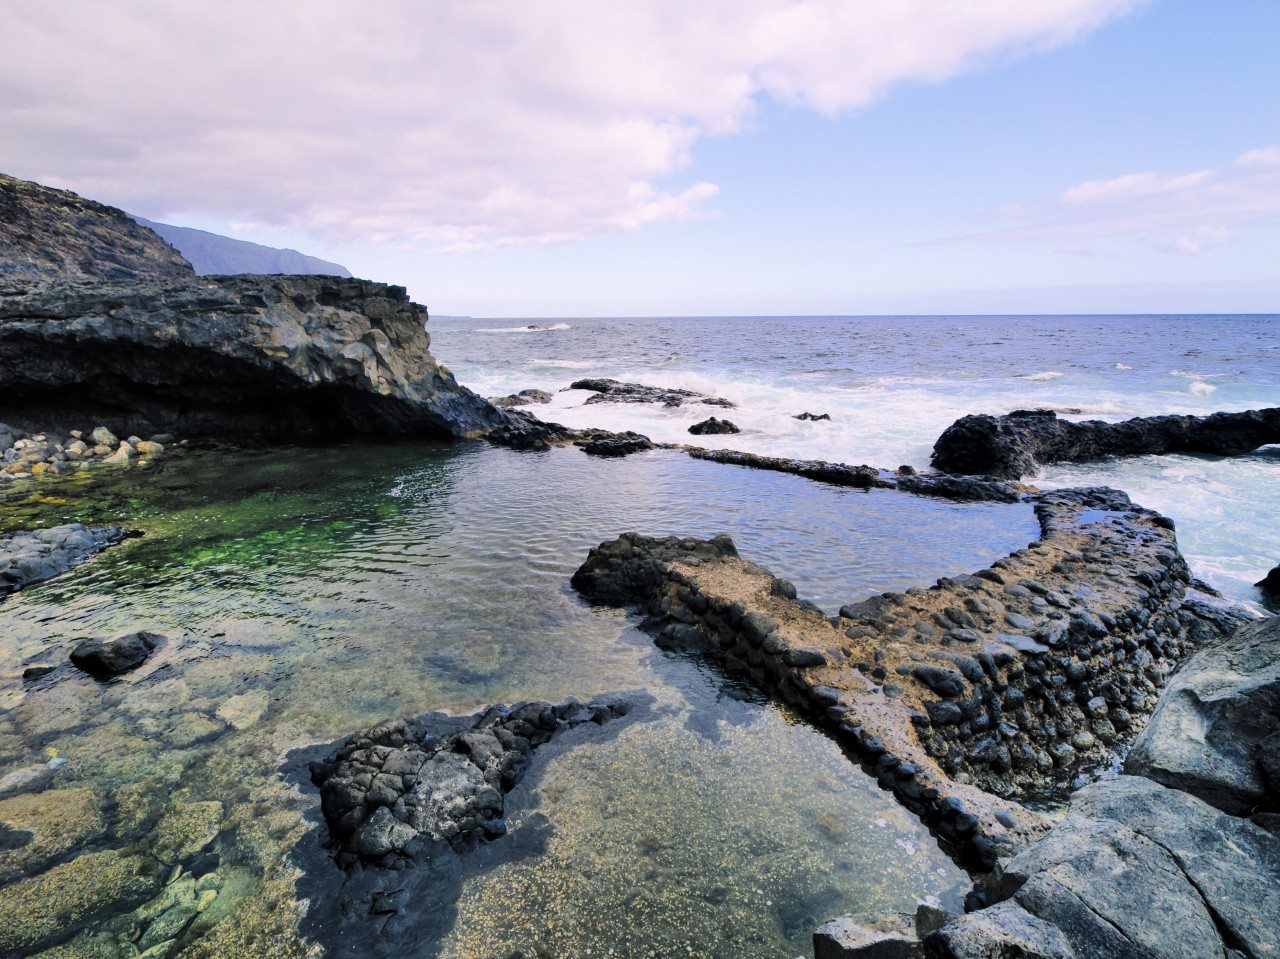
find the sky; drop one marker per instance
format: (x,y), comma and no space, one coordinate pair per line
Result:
(535,158)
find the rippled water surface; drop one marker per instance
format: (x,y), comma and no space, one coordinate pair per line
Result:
(308,593)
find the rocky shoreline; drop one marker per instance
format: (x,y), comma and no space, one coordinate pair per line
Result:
(1020,442)
(27,558)
(1016,682)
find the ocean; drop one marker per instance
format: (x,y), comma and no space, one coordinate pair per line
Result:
(892,384)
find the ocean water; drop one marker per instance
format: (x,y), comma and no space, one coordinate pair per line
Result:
(893,384)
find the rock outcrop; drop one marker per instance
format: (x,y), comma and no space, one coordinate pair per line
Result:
(107,658)
(1007,683)
(1269,587)
(32,557)
(238,356)
(713,426)
(1017,444)
(612,391)
(48,234)
(406,790)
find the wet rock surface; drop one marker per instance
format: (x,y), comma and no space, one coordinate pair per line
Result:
(406,790)
(108,658)
(32,557)
(1269,587)
(612,391)
(522,398)
(941,485)
(242,356)
(713,426)
(1018,443)
(36,453)
(1011,682)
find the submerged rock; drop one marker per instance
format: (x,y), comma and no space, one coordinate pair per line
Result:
(402,791)
(1019,443)
(32,557)
(612,391)
(107,658)
(713,425)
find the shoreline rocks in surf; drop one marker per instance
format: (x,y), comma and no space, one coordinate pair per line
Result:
(613,391)
(1020,442)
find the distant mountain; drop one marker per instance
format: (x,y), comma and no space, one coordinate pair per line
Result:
(48,234)
(211,253)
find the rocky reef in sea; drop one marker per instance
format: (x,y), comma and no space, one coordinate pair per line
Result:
(1018,443)
(101,321)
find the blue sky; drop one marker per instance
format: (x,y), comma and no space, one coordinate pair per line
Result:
(773,157)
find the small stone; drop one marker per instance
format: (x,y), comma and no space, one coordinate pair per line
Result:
(102,436)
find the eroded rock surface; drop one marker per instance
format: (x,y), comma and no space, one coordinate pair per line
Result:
(1019,443)
(235,356)
(32,557)
(402,791)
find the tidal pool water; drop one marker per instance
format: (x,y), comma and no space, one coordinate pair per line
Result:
(307,593)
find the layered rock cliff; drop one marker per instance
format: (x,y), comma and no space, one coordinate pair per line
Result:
(238,356)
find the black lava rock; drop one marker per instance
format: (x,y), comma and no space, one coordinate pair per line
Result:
(713,425)
(106,658)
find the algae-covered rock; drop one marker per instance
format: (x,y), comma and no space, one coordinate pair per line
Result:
(45,826)
(41,910)
(186,829)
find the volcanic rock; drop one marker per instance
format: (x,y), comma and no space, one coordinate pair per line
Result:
(612,391)
(1269,586)
(107,658)
(713,425)
(1018,444)
(31,557)
(238,356)
(50,234)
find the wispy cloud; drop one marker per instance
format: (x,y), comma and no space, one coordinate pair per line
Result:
(1181,213)
(457,125)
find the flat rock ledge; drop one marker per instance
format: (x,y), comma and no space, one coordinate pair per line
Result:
(1018,443)
(32,557)
(403,791)
(612,391)
(963,697)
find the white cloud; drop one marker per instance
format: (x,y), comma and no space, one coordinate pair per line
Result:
(458,125)
(1181,213)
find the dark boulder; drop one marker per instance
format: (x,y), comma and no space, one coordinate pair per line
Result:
(812,417)
(1017,444)
(622,444)
(107,658)
(713,425)
(523,398)
(1269,586)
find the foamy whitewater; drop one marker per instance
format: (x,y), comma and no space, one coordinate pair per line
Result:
(892,384)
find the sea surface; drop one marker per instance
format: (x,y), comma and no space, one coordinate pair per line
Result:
(306,593)
(892,384)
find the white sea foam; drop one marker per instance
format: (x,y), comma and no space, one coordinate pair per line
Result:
(1201,388)
(1123,366)
(529,328)
(1042,377)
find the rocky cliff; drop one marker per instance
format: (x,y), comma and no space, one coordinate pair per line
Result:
(102,321)
(234,356)
(54,234)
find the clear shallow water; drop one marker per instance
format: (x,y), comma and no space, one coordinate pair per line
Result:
(893,384)
(308,593)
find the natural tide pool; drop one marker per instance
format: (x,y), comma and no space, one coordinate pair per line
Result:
(307,593)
